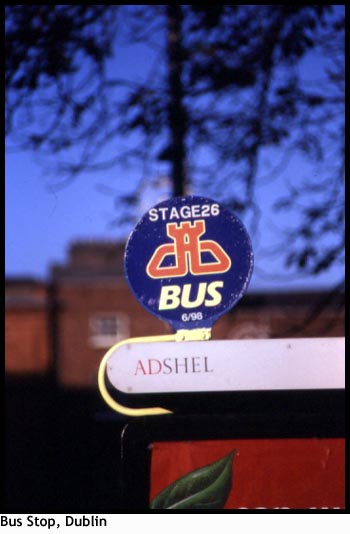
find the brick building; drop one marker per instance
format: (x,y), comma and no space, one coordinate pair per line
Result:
(94,310)
(68,324)
(27,332)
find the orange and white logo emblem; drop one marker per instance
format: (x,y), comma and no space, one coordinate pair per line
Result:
(187,250)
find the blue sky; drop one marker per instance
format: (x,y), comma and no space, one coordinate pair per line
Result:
(41,221)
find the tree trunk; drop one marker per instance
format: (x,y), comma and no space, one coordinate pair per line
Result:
(176,109)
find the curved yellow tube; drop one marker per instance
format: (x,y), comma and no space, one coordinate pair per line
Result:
(102,385)
(202,334)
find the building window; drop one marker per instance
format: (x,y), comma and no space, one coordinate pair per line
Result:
(250,330)
(108,328)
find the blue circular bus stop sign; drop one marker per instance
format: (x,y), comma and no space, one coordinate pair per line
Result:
(188,261)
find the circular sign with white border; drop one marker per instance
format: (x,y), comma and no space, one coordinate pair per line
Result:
(188,261)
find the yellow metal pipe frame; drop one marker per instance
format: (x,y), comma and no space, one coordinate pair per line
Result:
(198,334)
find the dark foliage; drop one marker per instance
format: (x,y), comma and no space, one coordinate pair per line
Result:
(228,82)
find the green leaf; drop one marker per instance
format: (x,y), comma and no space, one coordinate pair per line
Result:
(204,488)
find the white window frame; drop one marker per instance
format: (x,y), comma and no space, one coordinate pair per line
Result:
(105,340)
(251,330)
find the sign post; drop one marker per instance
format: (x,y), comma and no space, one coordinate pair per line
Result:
(188,261)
